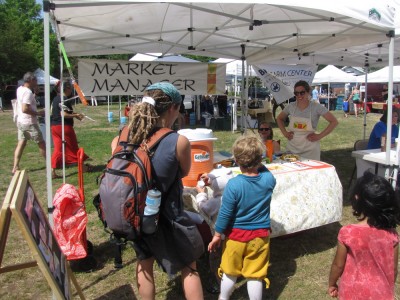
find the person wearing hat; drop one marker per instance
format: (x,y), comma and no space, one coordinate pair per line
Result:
(171,162)
(64,110)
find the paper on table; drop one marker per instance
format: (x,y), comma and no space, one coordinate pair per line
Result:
(312,163)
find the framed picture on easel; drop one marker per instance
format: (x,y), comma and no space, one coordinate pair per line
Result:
(33,222)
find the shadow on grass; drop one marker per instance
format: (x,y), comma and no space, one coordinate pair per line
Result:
(37,169)
(286,249)
(344,164)
(106,251)
(103,253)
(121,292)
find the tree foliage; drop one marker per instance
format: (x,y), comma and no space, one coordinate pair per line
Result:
(204,59)
(21,40)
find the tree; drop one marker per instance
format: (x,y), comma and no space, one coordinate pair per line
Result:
(204,59)
(21,40)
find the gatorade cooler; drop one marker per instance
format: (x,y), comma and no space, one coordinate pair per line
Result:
(201,143)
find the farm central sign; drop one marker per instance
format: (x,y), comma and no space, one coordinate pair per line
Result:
(108,77)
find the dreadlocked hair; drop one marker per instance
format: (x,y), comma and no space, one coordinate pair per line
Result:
(143,116)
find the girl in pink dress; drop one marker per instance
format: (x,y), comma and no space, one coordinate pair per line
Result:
(367,252)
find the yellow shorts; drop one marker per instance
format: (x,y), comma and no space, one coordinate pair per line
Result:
(248,259)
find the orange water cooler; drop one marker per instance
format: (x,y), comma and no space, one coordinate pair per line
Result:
(201,143)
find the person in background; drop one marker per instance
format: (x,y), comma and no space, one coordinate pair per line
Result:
(171,161)
(27,121)
(315,94)
(304,116)
(346,108)
(355,97)
(181,118)
(366,258)
(244,219)
(93,100)
(380,128)
(71,144)
(385,93)
(266,133)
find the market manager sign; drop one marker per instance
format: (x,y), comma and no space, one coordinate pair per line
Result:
(119,77)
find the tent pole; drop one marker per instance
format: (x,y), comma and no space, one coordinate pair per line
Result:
(47,111)
(243,93)
(365,103)
(389,110)
(329,92)
(61,92)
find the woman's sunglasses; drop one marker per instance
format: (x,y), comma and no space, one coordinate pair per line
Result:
(299,93)
(264,129)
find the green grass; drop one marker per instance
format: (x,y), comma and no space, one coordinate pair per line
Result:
(299,263)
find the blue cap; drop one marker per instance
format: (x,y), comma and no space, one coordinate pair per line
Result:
(168,88)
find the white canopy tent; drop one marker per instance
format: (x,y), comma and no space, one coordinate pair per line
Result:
(157,57)
(381,75)
(331,74)
(40,76)
(256,31)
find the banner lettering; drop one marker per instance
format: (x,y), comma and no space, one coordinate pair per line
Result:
(280,79)
(113,77)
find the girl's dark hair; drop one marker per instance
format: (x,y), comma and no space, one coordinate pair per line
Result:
(373,197)
(384,116)
(304,84)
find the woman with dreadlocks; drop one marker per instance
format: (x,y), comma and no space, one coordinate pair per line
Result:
(171,161)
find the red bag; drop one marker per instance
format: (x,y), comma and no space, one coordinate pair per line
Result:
(70,221)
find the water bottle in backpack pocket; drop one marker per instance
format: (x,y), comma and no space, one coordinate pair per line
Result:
(151,211)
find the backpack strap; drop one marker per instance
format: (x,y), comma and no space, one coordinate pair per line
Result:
(123,139)
(151,142)
(156,138)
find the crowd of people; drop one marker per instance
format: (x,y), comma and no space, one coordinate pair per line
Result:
(239,211)
(26,118)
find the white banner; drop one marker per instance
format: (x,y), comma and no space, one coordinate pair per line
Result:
(280,79)
(115,77)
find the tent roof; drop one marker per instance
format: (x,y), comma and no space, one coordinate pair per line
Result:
(156,57)
(267,31)
(381,75)
(39,73)
(332,74)
(234,67)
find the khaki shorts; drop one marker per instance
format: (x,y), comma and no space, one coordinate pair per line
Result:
(250,259)
(29,132)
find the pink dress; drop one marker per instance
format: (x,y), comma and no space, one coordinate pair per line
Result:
(369,268)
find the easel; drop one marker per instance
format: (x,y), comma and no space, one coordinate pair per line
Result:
(15,206)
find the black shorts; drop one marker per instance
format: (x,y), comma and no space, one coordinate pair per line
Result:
(142,250)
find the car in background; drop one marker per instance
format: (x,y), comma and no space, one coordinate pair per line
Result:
(9,93)
(259,93)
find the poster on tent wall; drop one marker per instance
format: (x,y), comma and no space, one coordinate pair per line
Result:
(119,77)
(280,79)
